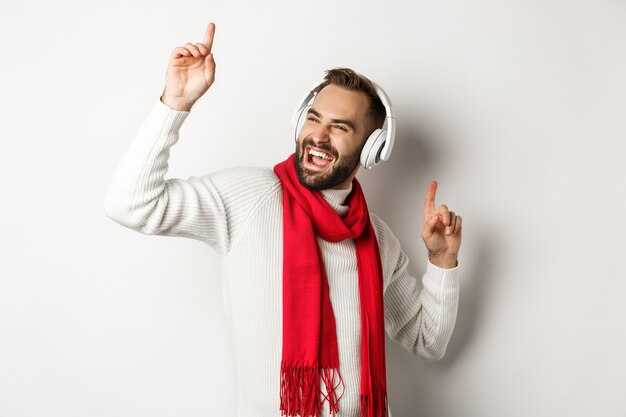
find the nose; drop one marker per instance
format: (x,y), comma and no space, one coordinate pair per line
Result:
(321,133)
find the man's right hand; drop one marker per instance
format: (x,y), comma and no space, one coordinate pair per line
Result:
(190,73)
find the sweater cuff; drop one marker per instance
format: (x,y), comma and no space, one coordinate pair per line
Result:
(432,265)
(443,278)
(174,118)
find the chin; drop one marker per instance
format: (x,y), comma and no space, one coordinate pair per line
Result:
(331,177)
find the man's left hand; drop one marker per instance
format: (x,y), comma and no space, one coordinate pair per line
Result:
(441,232)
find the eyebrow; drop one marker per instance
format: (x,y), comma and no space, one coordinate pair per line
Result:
(341,121)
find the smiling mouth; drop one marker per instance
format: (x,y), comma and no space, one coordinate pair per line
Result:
(318,158)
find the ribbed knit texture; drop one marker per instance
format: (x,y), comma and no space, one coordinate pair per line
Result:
(238,212)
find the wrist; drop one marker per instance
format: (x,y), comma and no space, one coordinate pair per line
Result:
(446,261)
(176,103)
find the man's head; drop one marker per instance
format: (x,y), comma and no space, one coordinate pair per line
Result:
(345,111)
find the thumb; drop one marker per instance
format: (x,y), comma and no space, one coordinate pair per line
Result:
(209,62)
(209,68)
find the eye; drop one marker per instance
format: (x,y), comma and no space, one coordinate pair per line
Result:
(341,127)
(312,118)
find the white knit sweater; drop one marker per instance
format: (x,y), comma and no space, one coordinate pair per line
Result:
(238,212)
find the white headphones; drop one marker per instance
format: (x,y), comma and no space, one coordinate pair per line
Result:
(377,146)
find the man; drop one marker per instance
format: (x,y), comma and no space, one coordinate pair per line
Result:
(292,239)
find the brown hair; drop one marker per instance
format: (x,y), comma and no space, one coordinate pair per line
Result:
(351,80)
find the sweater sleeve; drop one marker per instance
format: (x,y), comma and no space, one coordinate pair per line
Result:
(211,208)
(421,321)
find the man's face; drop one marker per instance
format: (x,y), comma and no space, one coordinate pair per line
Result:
(330,142)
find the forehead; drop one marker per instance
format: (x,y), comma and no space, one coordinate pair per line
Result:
(336,102)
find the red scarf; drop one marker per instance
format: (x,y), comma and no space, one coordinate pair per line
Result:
(310,349)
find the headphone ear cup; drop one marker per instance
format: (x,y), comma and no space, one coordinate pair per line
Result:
(372,148)
(301,120)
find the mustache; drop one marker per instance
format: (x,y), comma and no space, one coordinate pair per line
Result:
(325,147)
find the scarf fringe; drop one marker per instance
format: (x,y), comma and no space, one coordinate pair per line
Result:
(328,376)
(300,389)
(376,405)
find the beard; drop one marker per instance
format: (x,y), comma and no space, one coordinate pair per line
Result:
(337,174)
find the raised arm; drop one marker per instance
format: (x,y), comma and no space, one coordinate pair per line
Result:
(419,320)
(208,208)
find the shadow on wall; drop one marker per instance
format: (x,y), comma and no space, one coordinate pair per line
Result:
(393,187)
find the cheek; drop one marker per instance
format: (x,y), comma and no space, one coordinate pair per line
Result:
(307,128)
(347,148)
(304,133)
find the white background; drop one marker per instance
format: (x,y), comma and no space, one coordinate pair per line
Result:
(517,108)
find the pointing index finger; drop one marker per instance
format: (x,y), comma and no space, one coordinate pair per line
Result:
(208,36)
(429,203)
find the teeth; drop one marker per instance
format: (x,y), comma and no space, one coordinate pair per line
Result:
(320,155)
